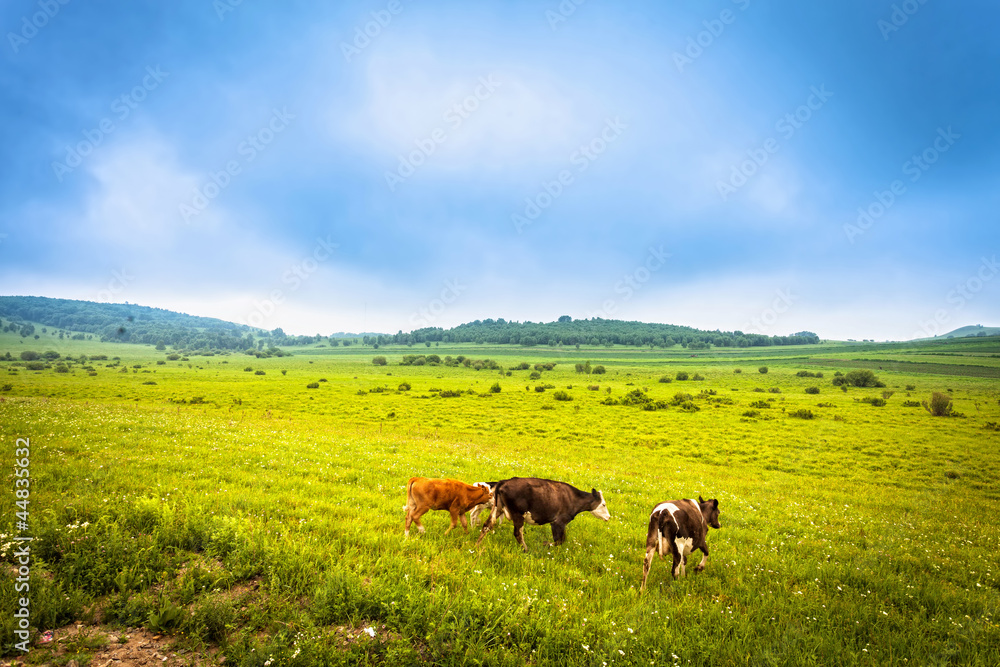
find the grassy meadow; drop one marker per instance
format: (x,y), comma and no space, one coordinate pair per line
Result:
(224,501)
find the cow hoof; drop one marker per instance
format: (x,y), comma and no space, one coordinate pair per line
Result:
(421,530)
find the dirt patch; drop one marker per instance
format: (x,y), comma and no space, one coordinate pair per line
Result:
(102,646)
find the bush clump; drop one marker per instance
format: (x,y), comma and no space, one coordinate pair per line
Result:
(762,370)
(379,361)
(682,375)
(802,413)
(940,405)
(312,385)
(561,396)
(812,390)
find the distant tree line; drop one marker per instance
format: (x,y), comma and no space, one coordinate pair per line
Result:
(591,332)
(129,323)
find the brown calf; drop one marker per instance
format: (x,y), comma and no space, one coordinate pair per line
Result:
(678,528)
(423,495)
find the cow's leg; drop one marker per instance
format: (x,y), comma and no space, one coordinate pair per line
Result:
(406,529)
(558,533)
(454,520)
(654,544)
(488,525)
(704,558)
(465,522)
(518,520)
(415,516)
(678,563)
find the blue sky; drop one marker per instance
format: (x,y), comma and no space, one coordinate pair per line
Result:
(382,166)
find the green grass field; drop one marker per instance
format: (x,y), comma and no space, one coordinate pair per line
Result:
(221,500)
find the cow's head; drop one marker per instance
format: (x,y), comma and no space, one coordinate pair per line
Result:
(601,511)
(710,510)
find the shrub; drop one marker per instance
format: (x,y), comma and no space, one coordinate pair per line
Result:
(666,379)
(862,378)
(887,394)
(539,388)
(379,360)
(940,405)
(802,413)
(172,357)
(534,375)
(36,366)
(697,376)
(495,388)
(751,413)
(737,370)
(762,370)
(404,386)
(812,390)
(561,396)
(598,370)
(911,387)
(680,398)
(7,387)
(313,385)
(248,369)
(760,404)
(29,355)
(449,393)
(911,404)
(875,401)
(260,372)
(774,390)
(594,387)
(682,375)
(583,368)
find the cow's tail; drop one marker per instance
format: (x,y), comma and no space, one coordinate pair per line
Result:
(409,494)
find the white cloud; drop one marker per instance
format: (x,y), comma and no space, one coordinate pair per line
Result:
(492,116)
(138,189)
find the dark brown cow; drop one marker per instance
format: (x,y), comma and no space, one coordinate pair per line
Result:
(541,501)
(423,495)
(679,527)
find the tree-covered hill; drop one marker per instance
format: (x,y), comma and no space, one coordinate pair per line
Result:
(596,331)
(129,323)
(126,323)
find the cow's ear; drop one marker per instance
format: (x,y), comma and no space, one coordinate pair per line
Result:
(593,491)
(715,503)
(699,498)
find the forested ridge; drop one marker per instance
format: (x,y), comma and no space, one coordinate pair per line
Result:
(130,323)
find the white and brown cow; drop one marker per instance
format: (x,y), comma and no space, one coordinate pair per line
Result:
(679,527)
(539,502)
(423,495)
